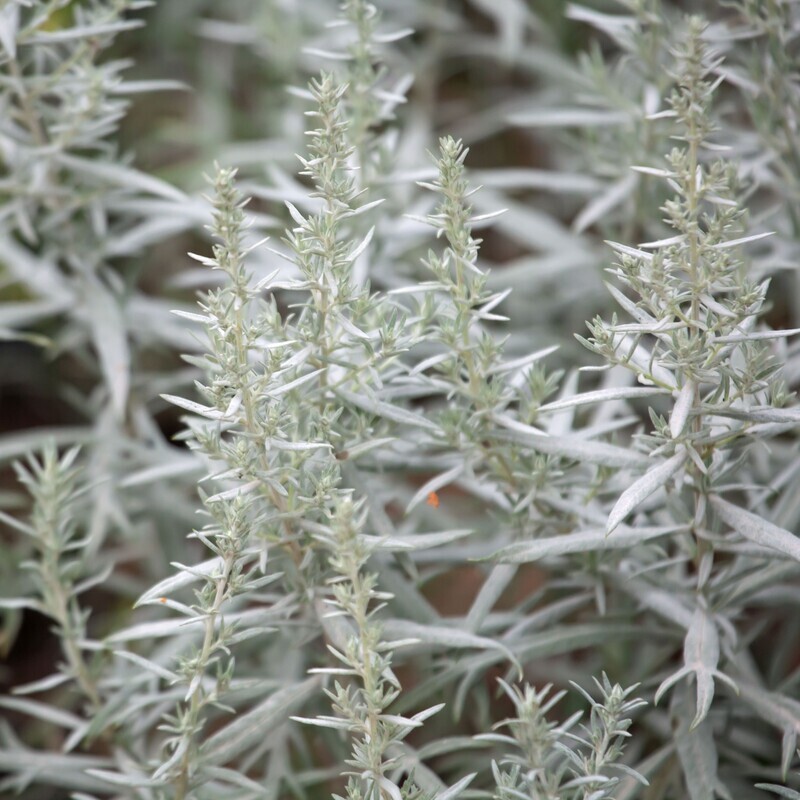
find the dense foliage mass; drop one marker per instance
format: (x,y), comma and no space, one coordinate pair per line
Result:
(351,502)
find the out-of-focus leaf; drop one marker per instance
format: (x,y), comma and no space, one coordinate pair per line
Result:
(417,541)
(556,641)
(570,446)
(512,18)
(490,592)
(119,175)
(618,26)
(434,484)
(756,528)
(81,32)
(545,180)
(9,23)
(56,769)
(457,788)
(148,665)
(155,630)
(700,657)
(602,396)
(110,339)
(781,791)
(568,117)
(387,410)
(443,636)
(581,542)
(607,201)
(640,490)
(697,751)
(228,742)
(680,411)
(42,685)
(159,472)
(124,779)
(44,711)
(779,710)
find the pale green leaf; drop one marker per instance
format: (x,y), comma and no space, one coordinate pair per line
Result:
(781,791)
(120,175)
(249,727)
(490,592)
(568,117)
(587,541)
(386,410)
(571,447)
(434,484)
(457,788)
(603,396)
(43,711)
(681,409)
(110,339)
(756,528)
(697,752)
(654,479)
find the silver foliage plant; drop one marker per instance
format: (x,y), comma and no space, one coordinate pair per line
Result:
(75,216)
(360,447)
(72,205)
(719,540)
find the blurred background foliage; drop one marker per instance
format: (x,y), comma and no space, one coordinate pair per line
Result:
(551,98)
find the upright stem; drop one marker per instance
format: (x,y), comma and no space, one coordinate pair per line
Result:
(196,701)
(29,115)
(57,599)
(695,274)
(60,611)
(694,257)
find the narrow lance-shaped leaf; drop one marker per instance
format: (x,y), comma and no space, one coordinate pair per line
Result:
(570,447)
(603,396)
(777,709)
(700,656)
(43,685)
(457,788)
(121,779)
(781,791)
(238,735)
(185,578)
(662,602)
(681,409)
(110,339)
(56,769)
(156,629)
(788,750)
(74,32)
(120,175)
(195,408)
(34,708)
(493,587)
(564,117)
(386,410)
(444,636)
(9,23)
(640,490)
(416,541)
(580,542)
(697,751)
(434,484)
(604,203)
(756,528)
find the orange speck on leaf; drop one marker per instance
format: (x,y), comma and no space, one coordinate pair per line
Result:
(433,500)
(162,599)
